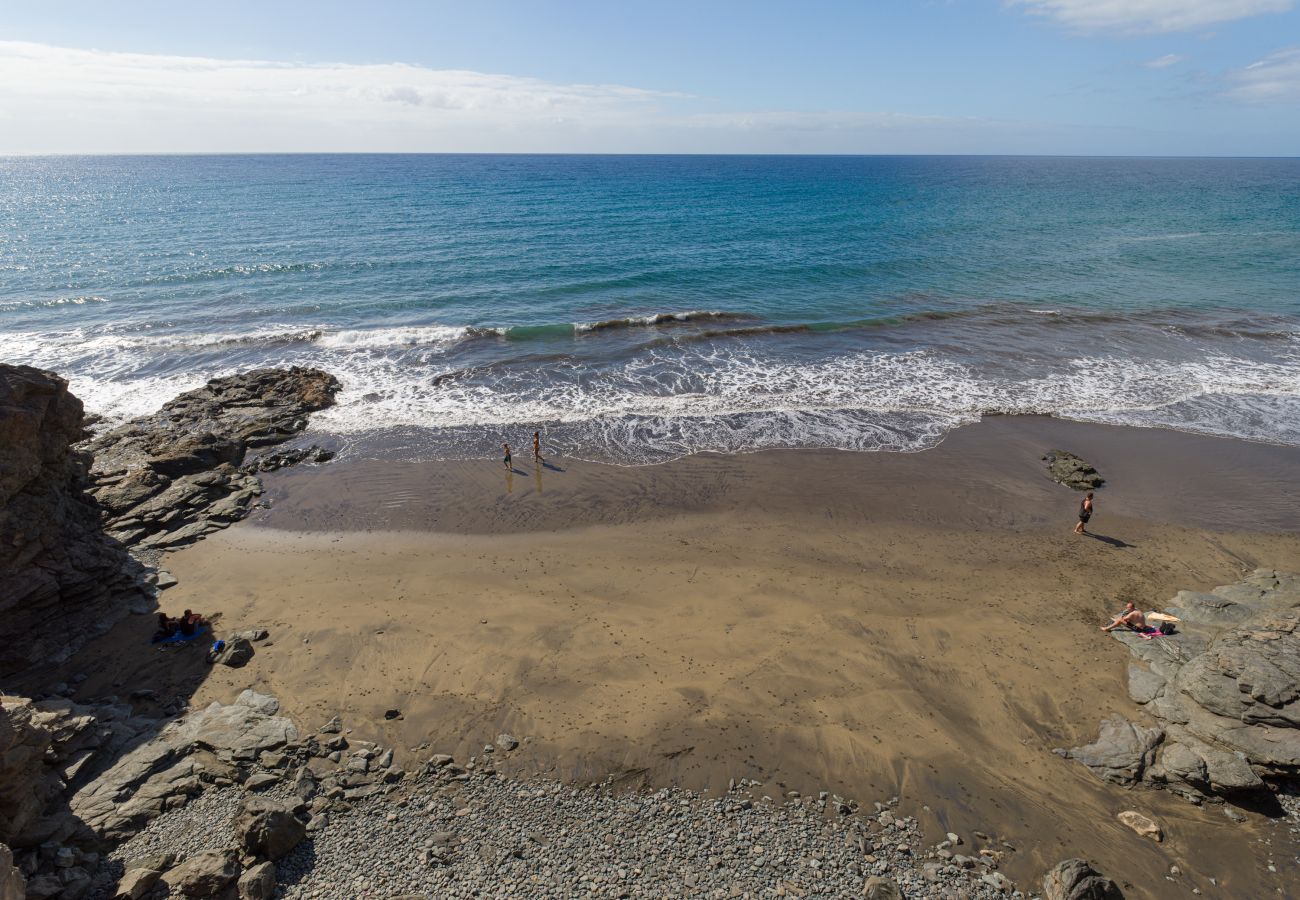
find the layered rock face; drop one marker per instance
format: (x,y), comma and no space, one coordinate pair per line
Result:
(61,580)
(171,477)
(1224,692)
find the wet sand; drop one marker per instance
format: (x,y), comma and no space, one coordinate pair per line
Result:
(921,625)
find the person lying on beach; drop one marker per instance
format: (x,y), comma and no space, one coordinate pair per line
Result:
(509,466)
(1085,513)
(1131,617)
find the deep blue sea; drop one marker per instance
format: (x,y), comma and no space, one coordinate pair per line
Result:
(636,309)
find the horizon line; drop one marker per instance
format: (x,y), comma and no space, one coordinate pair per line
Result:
(579,153)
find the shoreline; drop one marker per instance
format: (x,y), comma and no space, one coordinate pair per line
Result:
(867,624)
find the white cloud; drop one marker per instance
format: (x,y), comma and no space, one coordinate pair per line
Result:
(1274,79)
(1163,62)
(62,100)
(1145,16)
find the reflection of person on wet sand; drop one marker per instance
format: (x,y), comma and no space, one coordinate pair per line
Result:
(537,446)
(509,465)
(1131,617)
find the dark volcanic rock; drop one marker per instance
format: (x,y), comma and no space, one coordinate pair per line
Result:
(1067,469)
(171,477)
(56,565)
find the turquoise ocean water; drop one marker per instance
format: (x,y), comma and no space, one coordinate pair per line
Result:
(640,308)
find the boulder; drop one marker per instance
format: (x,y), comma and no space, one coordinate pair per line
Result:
(258,883)
(1143,825)
(56,563)
(1076,879)
(136,883)
(268,829)
(878,888)
(207,874)
(1067,469)
(237,653)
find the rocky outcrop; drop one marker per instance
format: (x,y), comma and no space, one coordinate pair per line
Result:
(168,770)
(171,477)
(1076,879)
(61,580)
(1224,691)
(1067,469)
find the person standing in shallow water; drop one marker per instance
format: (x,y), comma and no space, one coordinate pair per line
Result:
(1085,513)
(537,446)
(509,466)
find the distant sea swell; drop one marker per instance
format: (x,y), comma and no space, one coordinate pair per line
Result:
(637,310)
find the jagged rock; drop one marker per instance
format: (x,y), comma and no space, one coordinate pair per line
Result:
(507,742)
(164,773)
(12,884)
(258,883)
(56,564)
(267,829)
(136,883)
(173,476)
(1208,609)
(205,874)
(333,726)
(1143,825)
(1076,879)
(1122,752)
(278,459)
(1067,469)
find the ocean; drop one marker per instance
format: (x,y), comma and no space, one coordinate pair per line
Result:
(637,309)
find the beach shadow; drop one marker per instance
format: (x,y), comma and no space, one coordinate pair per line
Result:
(1114,542)
(552,467)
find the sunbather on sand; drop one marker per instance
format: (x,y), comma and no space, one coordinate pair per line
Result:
(1131,617)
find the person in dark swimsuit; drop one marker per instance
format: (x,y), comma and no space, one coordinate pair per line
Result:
(1131,618)
(1085,513)
(509,465)
(166,627)
(537,446)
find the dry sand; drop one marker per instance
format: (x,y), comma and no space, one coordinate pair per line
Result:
(919,625)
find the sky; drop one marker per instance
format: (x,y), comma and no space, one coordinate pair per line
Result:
(1088,77)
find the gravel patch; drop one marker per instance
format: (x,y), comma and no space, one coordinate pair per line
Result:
(499,837)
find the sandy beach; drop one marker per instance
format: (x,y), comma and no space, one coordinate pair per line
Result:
(921,625)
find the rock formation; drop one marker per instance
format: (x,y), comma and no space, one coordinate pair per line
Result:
(1067,469)
(1076,879)
(61,580)
(171,477)
(1224,692)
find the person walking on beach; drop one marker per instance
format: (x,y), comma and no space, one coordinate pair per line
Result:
(509,465)
(537,446)
(1085,513)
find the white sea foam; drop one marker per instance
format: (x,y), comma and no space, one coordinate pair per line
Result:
(667,401)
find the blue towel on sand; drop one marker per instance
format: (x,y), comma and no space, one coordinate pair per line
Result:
(177,638)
